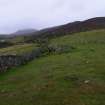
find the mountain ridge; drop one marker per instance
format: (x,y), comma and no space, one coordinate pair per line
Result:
(69,28)
(24,32)
(73,27)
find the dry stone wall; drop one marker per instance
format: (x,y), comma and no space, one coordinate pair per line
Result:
(9,61)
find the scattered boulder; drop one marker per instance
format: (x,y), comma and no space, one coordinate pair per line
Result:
(87,81)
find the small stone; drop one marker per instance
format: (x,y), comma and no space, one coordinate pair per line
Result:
(87,62)
(86,81)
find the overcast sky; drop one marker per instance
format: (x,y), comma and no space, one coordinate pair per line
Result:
(38,14)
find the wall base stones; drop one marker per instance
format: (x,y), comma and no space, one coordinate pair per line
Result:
(9,61)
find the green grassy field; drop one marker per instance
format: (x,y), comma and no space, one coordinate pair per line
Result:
(17,49)
(73,78)
(17,39)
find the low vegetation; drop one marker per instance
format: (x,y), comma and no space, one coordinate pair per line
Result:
(17,49)
(75,75)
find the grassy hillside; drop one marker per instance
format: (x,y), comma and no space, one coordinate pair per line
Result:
(74,77)
(17,49)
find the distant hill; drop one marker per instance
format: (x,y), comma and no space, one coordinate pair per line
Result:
(74,27)
(24,32)
(70,28)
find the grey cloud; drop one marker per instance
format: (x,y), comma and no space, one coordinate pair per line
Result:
(20,14)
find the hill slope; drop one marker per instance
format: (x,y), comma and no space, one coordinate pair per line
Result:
(74,27)
(76,77)
(24,32)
